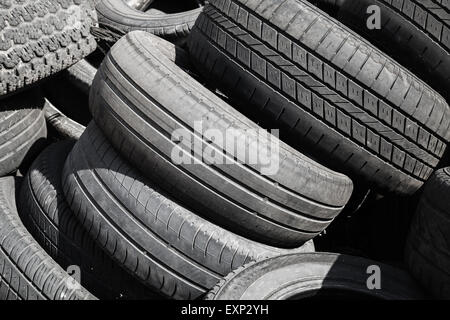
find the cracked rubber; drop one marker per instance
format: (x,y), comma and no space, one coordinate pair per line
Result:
(47,216)
(415,32)
(117,15)
(41,37)
(160,242)
(299,276)
(150,110)
(26,271)
(333,94)
(427,249)
(22,129)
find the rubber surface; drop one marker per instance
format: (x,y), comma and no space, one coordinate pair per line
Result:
(22,130)
(335,95)
(81,74)
(42,37)
(415,32)
(48,218)
(427,249)
(64,127)
(117,15)
(164,245)
(299,276)
(27,272)
(152,111)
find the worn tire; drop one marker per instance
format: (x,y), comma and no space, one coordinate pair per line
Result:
(331,93)
(161,243)
(298,276)
(117,15)
(22,130)
(42,37)
(149,109)
(47,216)
(427,249)
(415,32)
(27,272)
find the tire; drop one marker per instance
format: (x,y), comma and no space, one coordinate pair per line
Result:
(22,130)
(147,106)
(81,74)
(27,272)
(161,243)
(331,93)
(309,275)
(40,38)
(47,216)
(415,32)
(64,127)
(116,15)
(427,249)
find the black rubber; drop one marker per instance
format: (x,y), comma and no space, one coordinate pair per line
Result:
(415,32)
(161,243)
(427,249)
(27,272)
(150,109)
(309,275)
(332,93)
(117,15)
(63,126)
(22,130)
(41,37)
(81,74)
(47,216)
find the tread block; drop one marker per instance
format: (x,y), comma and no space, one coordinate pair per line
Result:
(373,141)
(330,113)
(317,105)
(304,96)
(344,122)
(289,85)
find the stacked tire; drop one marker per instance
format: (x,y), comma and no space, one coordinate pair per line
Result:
(151,201)
(146,224)
(331,92)
(372,111)
(38,39)
(120,17)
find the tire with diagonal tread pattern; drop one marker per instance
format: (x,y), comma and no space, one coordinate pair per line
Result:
(22,128)
(415,32)
(41,37)
(331,92)
(297,276)
(161,243)
(47,216)
(27,272)
(427,251)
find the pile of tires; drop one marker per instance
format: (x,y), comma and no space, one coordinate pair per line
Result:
(38,39)
(172,188)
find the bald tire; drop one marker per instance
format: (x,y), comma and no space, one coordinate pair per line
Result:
(160,242)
